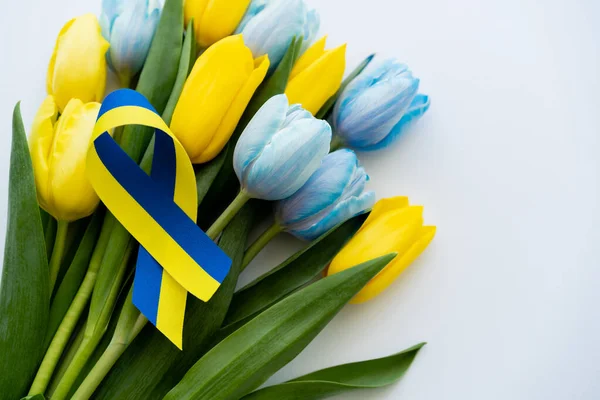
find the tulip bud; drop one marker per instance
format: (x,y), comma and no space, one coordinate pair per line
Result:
(270,25)
(77,68)
(332,195)
(392,226)
(214,97)
(59,147)
(316,76)
(280,149)
(129,26)
(214,19)
(369,113)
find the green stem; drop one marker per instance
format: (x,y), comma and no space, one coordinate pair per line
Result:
(260,243)
(68,323)
(225,218)
(115,349)
(92,336)
(68,356)
(336,143)
(58,252)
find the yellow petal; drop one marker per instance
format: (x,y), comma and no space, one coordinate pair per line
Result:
(219,19)
(214,83)
(393,231)
(309,57)
(391,272)
(315,84)
(40,145)
(385,205)
(194,9)
(50,73)
(235,111)
(78,66)
(73,195)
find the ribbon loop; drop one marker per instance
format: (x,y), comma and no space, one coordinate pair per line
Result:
(159,211)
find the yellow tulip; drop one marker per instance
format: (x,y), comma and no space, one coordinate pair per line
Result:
(392,226)
(77,68)
(214,19)
(58,148)
(316,76)
(215,95)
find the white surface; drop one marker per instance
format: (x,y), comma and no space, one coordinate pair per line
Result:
(505,163)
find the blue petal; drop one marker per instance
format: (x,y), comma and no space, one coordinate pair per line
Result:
(271,30)
(321,191)
(311,29)
(259,132)
(131,35)
(288,161)
(418,107)
(255,7)
(342,212)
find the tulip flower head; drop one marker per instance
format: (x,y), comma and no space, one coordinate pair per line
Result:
(392,226)
(215,95)
(316,76)
(270,25)
(77,69)
(280,149)
(59,147)
(332,195)
(214,19)
(129,27)
(376,107)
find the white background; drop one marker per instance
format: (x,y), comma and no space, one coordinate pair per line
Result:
(505,162)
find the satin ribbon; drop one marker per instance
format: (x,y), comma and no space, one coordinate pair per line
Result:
(159,211)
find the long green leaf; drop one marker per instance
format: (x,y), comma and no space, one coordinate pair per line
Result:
(158,75)
(328,382)
(249,356)
(294,273)
(74,276)
(325,111)
(24,289)
(151,357)
(226,185)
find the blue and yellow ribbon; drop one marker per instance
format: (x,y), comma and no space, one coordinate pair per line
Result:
(159,211)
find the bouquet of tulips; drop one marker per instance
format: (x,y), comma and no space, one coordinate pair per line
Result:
(130,211)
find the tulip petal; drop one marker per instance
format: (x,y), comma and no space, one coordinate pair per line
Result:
(417,108)
(40,147)
(311,29)
(314,85)
(259,132)
(320,192)
(288,160)
(343,211)
(311,55)
(52,63)
(393,270)
(219,19)
(235,111)
(385,205)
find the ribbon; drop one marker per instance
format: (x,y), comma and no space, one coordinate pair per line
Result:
(159,211)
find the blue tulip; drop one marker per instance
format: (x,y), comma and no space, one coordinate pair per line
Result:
(377,106)
(269,26)
(280,149)
(129,26)
(332,195)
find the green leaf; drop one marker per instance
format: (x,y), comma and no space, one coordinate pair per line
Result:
(24,289)
(151,357)
(325,111)
(249,356)
(206,173)
(328,382)
(49,234)
(186,62)
(158,75)
(297,271)
(226,185)
(34,397)
(74,276)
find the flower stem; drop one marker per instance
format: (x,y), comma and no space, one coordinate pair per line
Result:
(225,218)
(69,321)
(260,243)
(336,143)
(58,251)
